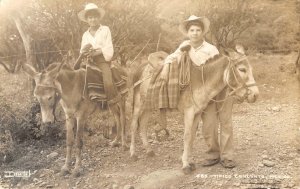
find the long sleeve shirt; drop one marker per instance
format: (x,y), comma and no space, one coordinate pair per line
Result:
(198,55)
(101,40)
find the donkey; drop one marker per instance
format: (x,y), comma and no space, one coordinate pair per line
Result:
(206,82)
(61,83)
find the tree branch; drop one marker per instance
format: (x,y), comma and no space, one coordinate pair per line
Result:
(6,67)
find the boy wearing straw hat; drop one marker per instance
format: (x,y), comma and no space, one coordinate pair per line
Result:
(97,44)
(165,94)
(199,52)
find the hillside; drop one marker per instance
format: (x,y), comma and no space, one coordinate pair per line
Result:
(277,22)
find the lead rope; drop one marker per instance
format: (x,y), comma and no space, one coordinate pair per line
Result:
(184,71)
(85,78)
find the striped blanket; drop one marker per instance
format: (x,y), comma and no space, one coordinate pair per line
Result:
(94,85)
(162,94)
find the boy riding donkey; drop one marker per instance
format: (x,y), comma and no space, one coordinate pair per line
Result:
(104,83)
(164,90)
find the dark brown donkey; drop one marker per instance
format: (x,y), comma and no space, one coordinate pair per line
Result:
(60,81)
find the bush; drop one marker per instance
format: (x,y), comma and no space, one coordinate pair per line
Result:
(265,39)
(25,124)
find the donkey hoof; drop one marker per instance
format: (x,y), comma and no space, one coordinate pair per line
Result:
(187,169)
(64,171)
(150,153)
(163,137)
(167,133)
(134,157)
(125,147)
(76,173)
(193,166)
(114,144)
(157,135)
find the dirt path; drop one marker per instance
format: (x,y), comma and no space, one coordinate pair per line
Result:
(264,132)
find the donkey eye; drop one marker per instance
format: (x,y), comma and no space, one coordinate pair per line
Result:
(49,98)
(242,70)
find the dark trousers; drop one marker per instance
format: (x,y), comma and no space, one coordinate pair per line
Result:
(109,85)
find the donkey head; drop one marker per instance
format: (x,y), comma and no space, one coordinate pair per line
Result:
(239,76)
(45,90)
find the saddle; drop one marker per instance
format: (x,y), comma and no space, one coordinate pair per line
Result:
(98,85)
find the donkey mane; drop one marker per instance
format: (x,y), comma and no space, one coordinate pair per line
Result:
(210,63)
(214,58)
(55,64)
(211,67)
(51,66)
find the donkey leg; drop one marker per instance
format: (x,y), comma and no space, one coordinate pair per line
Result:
(163,125)
(188,140)
(133,127)
(134,124)
(123,125)
(143,132)
(116,113)
(70,122)
(79,144)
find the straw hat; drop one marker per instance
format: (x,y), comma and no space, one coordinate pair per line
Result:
(204,20)
(89,7)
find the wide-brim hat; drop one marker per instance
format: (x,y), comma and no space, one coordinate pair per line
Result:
(89,7)
(204,20)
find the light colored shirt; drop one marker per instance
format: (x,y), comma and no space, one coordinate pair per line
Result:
(198,55)
(101,40)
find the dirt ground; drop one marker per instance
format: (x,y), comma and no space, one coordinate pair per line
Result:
(265,140)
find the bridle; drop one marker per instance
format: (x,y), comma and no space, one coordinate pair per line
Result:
(238,79)
(57,97)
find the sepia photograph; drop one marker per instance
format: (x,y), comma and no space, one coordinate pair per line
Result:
(150,94)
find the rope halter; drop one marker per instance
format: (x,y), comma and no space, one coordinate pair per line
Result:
(233,63)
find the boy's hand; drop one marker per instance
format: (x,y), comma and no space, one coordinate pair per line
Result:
(185,48)
(86,48)
(93,52)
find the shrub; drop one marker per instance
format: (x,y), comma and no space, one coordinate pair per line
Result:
(265,39)
(25,124)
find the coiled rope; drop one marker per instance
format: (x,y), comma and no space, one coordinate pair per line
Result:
(184,70)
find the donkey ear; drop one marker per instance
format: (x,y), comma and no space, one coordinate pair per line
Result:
(54,72)
(30,70)
(240,49)
(227,51)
